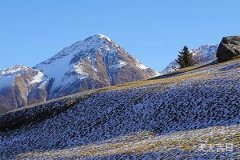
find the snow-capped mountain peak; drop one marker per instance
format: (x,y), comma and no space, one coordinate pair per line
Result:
(85,47)
(96,58)
(94,62)
(101,36)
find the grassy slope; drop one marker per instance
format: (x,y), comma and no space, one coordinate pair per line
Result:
(17,117)
(148,145)
(139,144)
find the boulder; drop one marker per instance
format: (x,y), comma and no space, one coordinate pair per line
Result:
(229,48)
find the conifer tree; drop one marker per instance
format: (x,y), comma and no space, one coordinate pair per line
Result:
(185,58)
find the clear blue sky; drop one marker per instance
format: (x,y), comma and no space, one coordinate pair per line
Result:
(152,31)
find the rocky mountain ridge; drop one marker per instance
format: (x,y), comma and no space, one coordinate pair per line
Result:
(92,63)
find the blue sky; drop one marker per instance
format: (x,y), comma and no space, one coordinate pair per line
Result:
(152,30)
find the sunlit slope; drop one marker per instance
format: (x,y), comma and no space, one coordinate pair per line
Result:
(170,117)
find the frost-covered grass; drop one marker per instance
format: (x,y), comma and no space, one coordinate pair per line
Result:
(36,113)
(196,142)
(167,118)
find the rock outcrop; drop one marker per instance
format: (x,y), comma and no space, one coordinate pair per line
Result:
(229,48)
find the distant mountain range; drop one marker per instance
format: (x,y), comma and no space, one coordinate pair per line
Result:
(94,62)
(202,55)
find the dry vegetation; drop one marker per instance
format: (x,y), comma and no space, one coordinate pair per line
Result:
(148,142)
(169,117)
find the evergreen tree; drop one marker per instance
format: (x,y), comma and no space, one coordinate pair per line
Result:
(185,58)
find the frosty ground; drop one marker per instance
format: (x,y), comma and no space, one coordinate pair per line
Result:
(191,115)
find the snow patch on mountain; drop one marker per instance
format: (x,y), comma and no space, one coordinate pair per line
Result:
(205,54)
(118,65)
(56,69)
(7,76)
(141,66)
(144,67)
(79,70)
(103,36)
(38,78)
(13,70)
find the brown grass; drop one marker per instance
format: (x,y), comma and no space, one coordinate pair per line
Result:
(142,143)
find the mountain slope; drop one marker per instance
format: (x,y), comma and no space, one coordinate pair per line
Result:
(95,62)
(170,118)
(92,63)
(202,55)
(21,85)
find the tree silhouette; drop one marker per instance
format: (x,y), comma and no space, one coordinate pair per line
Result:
(185,58)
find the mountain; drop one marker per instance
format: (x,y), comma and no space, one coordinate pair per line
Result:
(203,55)
(193,115)
(92,63)
(21,85)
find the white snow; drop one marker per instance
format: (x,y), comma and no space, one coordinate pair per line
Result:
(118,65)
(103,36)
(59,66)
(7,76)
(157,73)
(79,69)
(38,78)
(141,66)
(56,69)
(12,70)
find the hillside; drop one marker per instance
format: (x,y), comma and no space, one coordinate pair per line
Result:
(189,115)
